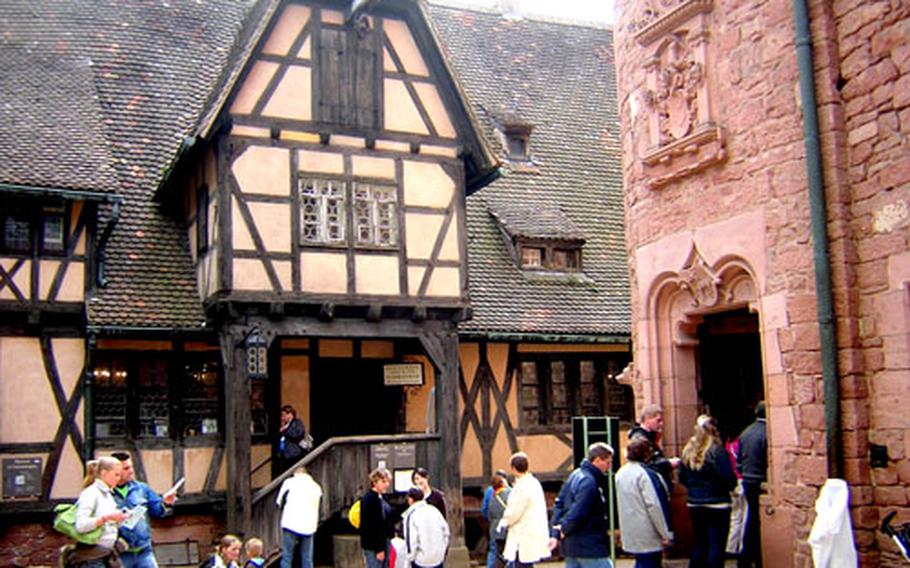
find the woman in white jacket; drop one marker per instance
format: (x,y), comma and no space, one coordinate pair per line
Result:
(525,517)
(96,508)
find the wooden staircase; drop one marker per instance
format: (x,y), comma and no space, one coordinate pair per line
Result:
(341,466)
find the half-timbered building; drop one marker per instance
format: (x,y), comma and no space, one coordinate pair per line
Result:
(212,210)
(550,327)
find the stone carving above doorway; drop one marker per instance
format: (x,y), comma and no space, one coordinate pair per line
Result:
(710,287)
(683,134)
(700,280)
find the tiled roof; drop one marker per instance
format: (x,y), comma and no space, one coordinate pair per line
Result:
(152,66)
(51,134)
(536,222)
(559,78)
(146,72)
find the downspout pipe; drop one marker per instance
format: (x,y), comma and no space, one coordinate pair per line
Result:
(818,215)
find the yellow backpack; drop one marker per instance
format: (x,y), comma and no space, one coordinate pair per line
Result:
(354,514)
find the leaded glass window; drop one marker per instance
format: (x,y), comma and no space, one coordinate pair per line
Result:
(17,233)
(322,211)
(375,218)
(53,238)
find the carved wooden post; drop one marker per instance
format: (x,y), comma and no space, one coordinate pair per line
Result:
(237,432)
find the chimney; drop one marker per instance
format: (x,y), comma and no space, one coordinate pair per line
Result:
(510,9)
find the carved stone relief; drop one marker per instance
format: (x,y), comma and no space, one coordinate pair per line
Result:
(700,280)
(675,98)
(684,136)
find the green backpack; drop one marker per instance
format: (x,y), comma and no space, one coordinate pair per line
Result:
(65,522)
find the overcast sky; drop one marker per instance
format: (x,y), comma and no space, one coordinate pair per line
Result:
(584,10)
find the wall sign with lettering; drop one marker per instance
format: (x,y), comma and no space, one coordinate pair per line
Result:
(21,477)
(403,375)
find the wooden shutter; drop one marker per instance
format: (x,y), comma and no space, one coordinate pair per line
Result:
(364,89)
(332,96)
(348,78)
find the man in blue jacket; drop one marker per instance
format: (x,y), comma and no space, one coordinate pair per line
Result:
(130,494)
(580,513)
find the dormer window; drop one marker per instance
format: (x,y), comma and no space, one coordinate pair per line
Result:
(517,137)
(559,257)
(541,238)
(517,146)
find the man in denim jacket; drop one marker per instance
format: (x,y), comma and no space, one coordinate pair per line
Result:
(130,494)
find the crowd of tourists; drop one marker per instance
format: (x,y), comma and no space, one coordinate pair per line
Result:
(722,482)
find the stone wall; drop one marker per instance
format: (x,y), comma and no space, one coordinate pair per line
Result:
(39,544)
(873,51)
(712,133)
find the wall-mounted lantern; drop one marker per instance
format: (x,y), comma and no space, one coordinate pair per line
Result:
(257,356)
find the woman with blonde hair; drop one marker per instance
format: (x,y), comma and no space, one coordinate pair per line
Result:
(96,508)
(706,472)
(227,552)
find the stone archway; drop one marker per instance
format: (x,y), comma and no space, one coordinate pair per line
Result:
(677,303)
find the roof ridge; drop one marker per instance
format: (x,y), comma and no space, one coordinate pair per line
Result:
(536,17)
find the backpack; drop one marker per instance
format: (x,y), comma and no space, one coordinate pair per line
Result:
(65,522)
(354,514)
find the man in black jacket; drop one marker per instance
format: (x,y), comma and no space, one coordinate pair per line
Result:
(292,432)
(752,463)
(376,523)
(652,427)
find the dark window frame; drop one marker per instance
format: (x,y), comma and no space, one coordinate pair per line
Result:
(202,220)
(570,403)
(172,401)
(36,218)
(548,262)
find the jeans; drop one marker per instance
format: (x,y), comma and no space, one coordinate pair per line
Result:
(290,541)
(576,562)
(144,559)
(491,554)
(711,528)
(649,560)
(369,556)
(751,553)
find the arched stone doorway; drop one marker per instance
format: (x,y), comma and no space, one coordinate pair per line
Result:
(697,315)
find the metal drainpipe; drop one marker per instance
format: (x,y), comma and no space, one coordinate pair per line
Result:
(818,214)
